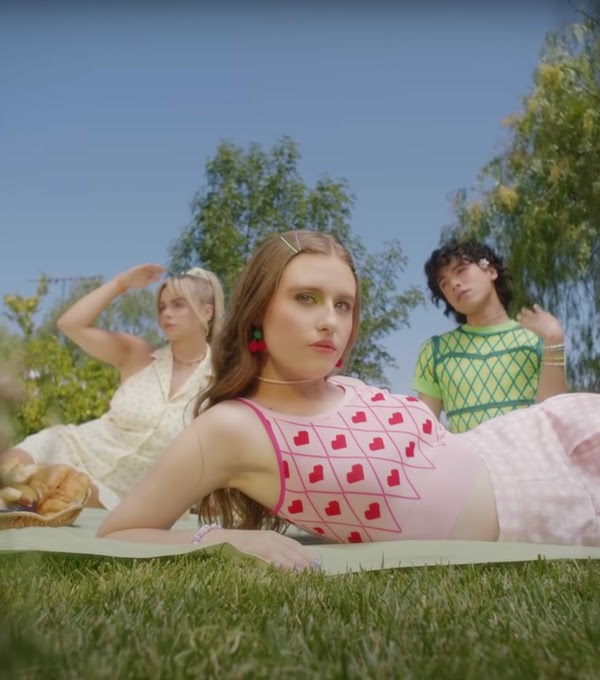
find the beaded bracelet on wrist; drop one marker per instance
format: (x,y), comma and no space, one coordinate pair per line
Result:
(559,347)
(203,530)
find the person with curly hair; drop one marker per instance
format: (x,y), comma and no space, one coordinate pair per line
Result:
(490,364)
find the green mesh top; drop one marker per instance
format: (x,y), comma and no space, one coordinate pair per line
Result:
(480,373)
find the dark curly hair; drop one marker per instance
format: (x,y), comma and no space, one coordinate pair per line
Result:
(467,251)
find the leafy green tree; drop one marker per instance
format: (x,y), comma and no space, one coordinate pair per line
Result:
(252,193)
(538,200)
(22,310)
(59,385)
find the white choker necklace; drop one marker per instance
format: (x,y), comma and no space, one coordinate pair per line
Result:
(285,382)
(190,361)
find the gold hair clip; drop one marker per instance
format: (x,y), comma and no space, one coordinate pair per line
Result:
(289,245)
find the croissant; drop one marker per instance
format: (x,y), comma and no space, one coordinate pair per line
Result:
(48,478)
(72,488)
(45,489)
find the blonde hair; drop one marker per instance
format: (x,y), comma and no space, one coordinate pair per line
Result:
(198,287)
(235,368)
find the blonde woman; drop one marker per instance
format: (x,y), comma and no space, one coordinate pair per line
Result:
(155,399)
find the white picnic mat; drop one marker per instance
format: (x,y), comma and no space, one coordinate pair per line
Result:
(80,539)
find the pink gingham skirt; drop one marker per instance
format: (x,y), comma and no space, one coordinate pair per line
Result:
(544,463)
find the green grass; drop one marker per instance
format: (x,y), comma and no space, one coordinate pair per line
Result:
(205,617)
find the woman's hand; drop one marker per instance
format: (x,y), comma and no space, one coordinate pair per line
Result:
(542,323)
(140,276)
(270,546)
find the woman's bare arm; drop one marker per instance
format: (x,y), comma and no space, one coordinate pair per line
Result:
(205,456)
(78,322)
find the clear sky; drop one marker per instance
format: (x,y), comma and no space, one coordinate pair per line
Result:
(110,110)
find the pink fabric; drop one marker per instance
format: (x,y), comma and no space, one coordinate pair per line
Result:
(379,467)
(544,463)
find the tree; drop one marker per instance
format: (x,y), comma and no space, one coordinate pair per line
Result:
(252,193)
(538,200)
(59,384)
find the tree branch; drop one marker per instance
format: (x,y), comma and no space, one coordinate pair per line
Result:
(589,17)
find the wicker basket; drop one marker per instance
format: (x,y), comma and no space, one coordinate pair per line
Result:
(20,519)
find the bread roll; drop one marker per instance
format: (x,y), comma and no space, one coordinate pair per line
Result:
(49,477)
(72,489)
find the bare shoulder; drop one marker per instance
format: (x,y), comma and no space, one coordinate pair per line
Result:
(229,420)
(232,435)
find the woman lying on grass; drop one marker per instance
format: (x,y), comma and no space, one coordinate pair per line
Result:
(282,439)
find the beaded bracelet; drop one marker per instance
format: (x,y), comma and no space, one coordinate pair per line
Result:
(560,347)
(203,530)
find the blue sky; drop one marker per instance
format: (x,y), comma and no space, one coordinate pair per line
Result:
(110,111)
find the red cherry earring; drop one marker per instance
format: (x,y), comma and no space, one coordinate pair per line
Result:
(339,363)
(257,344)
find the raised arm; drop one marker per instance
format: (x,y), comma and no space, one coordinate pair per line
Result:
(552,374)
(78,322)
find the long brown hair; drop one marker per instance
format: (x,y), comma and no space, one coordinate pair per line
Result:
(235,368)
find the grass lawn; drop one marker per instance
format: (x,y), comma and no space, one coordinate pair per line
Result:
(208,616)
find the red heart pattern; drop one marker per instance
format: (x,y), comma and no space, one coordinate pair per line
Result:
(332,509)
(339,442)
(301,439)
(356,474)
(346,514)
(316,475)
(295,507)
(393,479)
(376,444)
(373,511)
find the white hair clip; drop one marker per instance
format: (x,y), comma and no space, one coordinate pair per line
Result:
(484,263)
